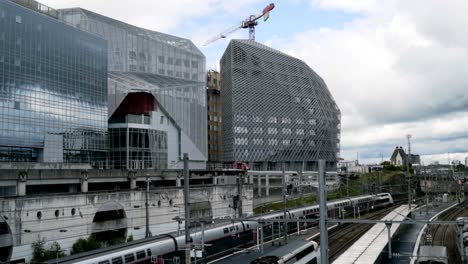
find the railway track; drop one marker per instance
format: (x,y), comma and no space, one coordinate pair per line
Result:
(342,237)
(445,235)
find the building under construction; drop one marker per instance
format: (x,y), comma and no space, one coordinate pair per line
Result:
(275,109)
(214,116)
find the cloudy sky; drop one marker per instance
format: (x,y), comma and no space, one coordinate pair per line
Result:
(395,67)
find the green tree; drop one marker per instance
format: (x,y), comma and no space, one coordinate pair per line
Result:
(83,245)
(41,253)
(130,238)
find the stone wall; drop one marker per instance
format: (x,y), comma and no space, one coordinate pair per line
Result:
(65,218)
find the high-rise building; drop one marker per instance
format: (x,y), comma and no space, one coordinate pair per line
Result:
(53,88)
(214,116)
(169,68)
(275,109)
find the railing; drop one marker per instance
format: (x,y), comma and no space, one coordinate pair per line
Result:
(36,6)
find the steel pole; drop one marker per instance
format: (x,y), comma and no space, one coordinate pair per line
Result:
(347,183)
(261,237)
(187,209)
(203,241)
(323,214)
(389,225)
(425,187)
(239,192)
(408,157)
(148,232)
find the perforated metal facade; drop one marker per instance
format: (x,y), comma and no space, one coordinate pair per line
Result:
(170,67)
(275,108)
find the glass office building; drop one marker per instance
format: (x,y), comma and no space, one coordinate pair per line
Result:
(169,67)
(53,88)
(275,109)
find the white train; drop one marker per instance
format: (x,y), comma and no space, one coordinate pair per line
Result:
(463,250)
(221,238)
(299,251)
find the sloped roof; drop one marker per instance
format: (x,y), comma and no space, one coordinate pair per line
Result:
(395,153)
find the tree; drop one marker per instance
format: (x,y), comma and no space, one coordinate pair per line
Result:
(83,245)
(389,166)
(41,253)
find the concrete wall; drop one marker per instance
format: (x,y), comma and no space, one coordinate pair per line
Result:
(65,218)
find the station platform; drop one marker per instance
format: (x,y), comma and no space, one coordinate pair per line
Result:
(367,249)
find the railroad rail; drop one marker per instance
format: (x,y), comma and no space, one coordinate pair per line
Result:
(342,237)
(445,235)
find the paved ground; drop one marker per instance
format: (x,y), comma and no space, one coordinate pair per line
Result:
(403,243)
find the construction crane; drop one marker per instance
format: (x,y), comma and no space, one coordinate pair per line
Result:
(249,23)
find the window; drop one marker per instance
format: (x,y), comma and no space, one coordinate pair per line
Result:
(257,119)
(225,230)
(148,252)
(129,258)
(104,262)
(18,19)
(272,119)
(162,120)
(257,130)
(286,131)
(140,254)
(161,59)
(272,131)
(117,260)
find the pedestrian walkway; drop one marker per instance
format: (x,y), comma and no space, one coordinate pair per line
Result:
(403,242)
(367,249)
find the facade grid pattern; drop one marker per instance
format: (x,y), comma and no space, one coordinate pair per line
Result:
(171,68)
(275,109)
(138,148)
(53,81)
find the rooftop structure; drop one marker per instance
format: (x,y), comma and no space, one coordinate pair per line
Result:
(275,109)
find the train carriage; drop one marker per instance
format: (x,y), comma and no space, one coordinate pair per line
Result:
(221,238)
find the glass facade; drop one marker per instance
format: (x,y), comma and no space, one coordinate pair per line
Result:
(275,108)
(138,148)
(53,89)
(171,68)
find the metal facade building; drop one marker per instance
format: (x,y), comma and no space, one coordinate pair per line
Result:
(169,67)
(53,88)
(214,116)
(275,108)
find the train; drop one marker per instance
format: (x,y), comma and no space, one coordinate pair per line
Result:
(170,249)
(463,250)
(299,251)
